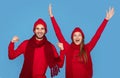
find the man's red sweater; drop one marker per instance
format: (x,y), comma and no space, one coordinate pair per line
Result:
(38,55)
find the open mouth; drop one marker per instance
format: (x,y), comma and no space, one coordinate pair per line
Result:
(77,40)
(40,33)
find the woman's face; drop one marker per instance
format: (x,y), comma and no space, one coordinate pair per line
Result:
(77,38)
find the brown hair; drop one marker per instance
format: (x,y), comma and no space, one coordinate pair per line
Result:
(82,53)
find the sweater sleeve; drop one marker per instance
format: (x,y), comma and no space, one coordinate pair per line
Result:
(59,59)
(62,58)
(97,35)
(12,54)
(58,31)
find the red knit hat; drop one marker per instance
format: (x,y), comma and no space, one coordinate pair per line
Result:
(77,29)
(40,21)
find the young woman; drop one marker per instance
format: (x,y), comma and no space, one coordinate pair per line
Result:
(78,58)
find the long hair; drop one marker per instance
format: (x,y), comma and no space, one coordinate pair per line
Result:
(82,54)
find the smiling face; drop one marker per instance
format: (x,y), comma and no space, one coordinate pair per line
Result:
(39,31)
(77,38)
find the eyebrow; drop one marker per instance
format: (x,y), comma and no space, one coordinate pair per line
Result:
(39,28)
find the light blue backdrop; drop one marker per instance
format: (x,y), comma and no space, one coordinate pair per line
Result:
(18,16)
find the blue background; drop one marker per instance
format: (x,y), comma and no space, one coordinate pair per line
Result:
(18,16)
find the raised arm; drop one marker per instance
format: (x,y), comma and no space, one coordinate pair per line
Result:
(62,53)
(12,54)
(59,58)
(98,33)
(56,26)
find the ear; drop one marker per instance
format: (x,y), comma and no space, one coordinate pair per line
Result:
(34,31)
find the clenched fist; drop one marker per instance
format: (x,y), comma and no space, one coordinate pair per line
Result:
(15,39)
(60,45)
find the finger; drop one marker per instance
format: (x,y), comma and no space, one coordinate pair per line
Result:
(16,40)
(112,10)
(50,6)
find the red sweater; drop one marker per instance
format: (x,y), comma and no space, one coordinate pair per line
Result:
(38,55)
(74,67)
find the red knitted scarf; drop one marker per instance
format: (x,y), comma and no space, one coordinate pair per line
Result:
(29,56)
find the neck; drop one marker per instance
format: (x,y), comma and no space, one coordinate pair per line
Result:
(39,39)
(74,46)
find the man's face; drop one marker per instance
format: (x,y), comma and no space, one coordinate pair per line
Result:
(39,31)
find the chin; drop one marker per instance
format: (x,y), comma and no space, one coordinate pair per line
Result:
(39,37)
(77,43)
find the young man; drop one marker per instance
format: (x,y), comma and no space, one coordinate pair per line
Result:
(38,53)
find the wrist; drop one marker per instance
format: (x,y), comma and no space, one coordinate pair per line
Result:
(51,15)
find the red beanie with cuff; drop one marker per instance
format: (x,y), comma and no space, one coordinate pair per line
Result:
(40,21)
(77,29)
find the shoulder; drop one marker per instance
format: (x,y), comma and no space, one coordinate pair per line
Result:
(87,48)
(24,42)
(49,43)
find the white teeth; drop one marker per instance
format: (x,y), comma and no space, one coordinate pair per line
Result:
(39,34)
(77,40)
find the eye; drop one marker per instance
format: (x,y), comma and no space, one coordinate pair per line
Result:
(42,28)
(74,35)
(79,35)
(37,28)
